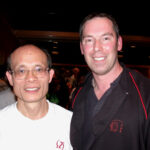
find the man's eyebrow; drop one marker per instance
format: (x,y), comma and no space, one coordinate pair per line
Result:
(24,66)
(105,34)
(20,65)
(87,36)
(108,33)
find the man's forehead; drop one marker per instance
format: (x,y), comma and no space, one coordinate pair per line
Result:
(27,50)
(28,57)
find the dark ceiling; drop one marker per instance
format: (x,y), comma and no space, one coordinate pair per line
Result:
(133,19)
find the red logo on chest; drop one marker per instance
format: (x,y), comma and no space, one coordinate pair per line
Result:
(116,126)
(60,145)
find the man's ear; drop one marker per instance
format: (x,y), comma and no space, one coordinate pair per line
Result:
(119,43)
(51,74)
(9,77)
(81,48)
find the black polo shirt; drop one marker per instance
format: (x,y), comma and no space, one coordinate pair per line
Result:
(92,106)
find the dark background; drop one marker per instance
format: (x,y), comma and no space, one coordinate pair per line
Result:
(132,17)
(62,16)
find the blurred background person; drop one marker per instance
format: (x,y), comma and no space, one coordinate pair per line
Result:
(7,96)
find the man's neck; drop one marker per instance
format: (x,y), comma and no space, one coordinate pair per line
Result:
(104,81)
(34,111)
(101,83)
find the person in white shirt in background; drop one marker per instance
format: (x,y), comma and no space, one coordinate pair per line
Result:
(33,123)
(7,96)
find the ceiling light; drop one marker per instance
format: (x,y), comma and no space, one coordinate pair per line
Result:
(120,56)
(55,52)
(54,47)
(133,46)
(55,42)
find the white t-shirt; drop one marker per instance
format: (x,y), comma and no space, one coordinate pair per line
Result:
(18,132)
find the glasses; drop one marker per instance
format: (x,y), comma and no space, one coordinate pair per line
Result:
(21,73)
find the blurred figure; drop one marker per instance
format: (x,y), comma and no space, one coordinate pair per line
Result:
(33,123)
(78,81)
(58,90)
(74,77)
(7,97)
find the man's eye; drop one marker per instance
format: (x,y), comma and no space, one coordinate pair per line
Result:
(106,38)
(88,40)
(39,69)
(21,71)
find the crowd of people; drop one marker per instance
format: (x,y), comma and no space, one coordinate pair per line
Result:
(65,81)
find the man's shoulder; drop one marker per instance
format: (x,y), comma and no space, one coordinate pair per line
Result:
(8,108)
(7,111)
(60,115)
(57,109)
(138,76)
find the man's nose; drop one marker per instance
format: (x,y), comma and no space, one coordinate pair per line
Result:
(97,45)
(31,75)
